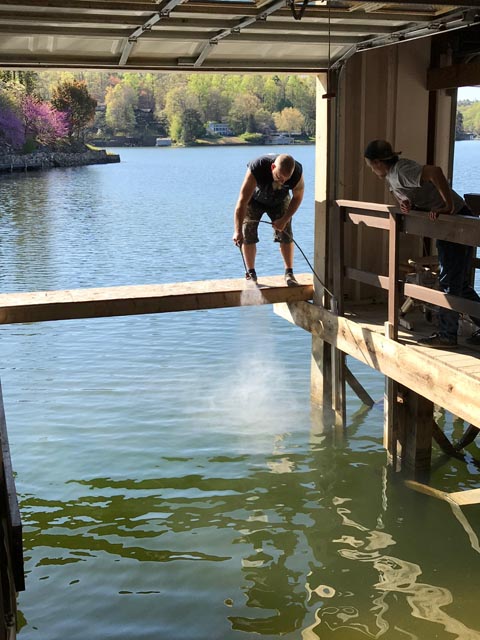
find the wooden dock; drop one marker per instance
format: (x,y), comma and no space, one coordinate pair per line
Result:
(44,306)
(449,378)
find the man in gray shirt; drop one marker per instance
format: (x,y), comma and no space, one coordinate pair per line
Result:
(425,188)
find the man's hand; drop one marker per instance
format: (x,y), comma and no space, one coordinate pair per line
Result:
(238,238)
(433,215)
(280,224)
(405,205)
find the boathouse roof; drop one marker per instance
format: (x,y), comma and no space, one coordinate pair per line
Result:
(219,35)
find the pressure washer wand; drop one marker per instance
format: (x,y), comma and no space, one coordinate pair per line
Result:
(239,245)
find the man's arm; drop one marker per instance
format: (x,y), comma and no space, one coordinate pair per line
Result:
(297,197)
(246,192)
(435,175)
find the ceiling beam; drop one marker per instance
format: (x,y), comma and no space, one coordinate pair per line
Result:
(55,61)
(164,8)
(179,35)
(457,75)
(109,7)
(31,19)
(243,24)
(239,7)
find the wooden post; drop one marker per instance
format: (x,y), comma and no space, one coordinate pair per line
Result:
(337,269)
(415,427)
(321,372)
(390,434)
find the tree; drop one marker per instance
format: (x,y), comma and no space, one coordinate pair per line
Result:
(242,113)
(290,119)
(43,123)
(12,129)
(28,79)
(459,131)
(192,126)
(120,108)
(471,118)
(73,98)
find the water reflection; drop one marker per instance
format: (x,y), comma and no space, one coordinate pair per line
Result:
(296,556)
(173,484)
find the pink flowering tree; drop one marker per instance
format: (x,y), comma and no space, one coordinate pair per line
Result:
(43,123)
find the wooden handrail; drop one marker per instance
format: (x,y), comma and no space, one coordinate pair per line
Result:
(416,291)
(460,229)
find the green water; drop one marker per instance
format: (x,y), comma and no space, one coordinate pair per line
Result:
(174,480)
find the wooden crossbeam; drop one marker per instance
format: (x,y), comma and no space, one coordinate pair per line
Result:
(10,509)
(140,299)
(413,366)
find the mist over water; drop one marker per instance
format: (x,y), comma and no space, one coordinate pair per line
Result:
(174,480)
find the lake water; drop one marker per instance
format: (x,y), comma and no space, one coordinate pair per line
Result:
(173,479)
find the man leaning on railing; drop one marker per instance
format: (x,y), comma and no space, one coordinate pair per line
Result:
(425,188)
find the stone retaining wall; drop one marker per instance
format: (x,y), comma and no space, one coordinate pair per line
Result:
(49,159)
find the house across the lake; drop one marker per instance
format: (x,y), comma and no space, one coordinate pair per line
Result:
(219,128)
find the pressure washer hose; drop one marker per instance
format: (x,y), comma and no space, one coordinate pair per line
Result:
(303,254)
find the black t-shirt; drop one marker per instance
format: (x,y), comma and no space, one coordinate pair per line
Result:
(261,169)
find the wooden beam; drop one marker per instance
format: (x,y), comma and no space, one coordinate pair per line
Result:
(417,292)
(410,365)
(376,222)
(393,277)
(367,277)
(432,296)
(415,415)
(140,299)
(355,385)
(462,229)
(11,509)
(456,75)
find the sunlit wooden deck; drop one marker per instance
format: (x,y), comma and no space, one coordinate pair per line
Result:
(449,378)
(43,306)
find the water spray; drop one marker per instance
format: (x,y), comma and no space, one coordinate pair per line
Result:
(303,254)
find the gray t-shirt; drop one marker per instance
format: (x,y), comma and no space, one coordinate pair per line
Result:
(404,179)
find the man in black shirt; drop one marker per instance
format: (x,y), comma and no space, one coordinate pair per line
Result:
(266,189)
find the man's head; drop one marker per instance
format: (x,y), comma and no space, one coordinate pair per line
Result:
(380,156)
(282,168)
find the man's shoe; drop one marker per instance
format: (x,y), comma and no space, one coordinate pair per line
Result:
(251,275)
(290,280)
(439,341)
(474,338)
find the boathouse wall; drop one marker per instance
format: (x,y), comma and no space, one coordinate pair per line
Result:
(382,94)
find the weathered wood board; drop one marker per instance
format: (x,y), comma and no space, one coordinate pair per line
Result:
(44,306)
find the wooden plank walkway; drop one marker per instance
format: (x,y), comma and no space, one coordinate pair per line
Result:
(448,378)
(41,306)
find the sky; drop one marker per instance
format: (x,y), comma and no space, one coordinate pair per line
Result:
(468,93)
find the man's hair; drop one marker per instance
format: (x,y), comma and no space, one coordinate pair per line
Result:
(285,163)
(381,150)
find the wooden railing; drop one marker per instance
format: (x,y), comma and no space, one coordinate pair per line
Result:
(460,229)
(11,547)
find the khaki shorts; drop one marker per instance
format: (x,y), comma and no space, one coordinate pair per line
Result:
(255,211)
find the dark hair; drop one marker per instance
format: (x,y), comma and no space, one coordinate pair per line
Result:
(381,150)
(285,162)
